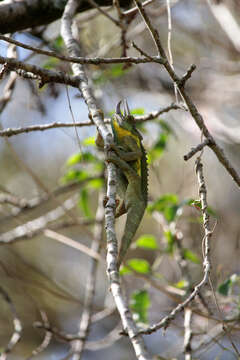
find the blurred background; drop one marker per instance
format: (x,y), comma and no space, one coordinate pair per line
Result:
(40,171)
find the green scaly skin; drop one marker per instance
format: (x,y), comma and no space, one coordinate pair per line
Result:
(130,157)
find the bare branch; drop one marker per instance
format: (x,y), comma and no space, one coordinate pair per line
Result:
(16,336)
(191,107)
(78,59)
(196,149)
(16,131)
(85,321)
(206,261)
(47,337)
(187,334)
(34,227)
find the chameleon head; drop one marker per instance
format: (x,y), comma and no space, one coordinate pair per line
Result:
(126,117)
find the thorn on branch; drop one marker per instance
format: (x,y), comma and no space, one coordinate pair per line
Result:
(181,83)
(197,148)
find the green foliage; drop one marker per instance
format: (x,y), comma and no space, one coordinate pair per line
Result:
(182,284)
(168,205)
(138,111)
(139,265)
(226,287)
(140,302)
(90,141)
(58,44)
(84,203)
(86,157)
(75,175)
(197,204)
(111,72)
(191,256)
(160,145)
(169,236)
(83,165)
(147,242)
(51,63)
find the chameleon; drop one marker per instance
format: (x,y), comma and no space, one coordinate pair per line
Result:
(130,158)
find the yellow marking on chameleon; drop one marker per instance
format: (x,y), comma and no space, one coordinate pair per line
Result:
(121,133)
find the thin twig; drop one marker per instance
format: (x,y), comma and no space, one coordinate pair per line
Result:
(34,227)
(85,321)
(16,131)
(74,59)
(191,107)
(206,260)
(74,244)
(187,334)
(16,336)
(196,149)
(47,337)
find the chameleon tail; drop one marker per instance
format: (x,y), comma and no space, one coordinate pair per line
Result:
(134,217)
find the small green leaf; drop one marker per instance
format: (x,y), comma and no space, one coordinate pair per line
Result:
(157,150)
(81,157)
(189,255)
(125,270)
(167,204)
(75,175)
(182,284)
(147,242)
(197,204)
(90,141)
(84,203)
(140,302)
(95,183)
(51,63)
(138,111)
(58,43)
(116,70)
(170,241)
(139,265)
(225,287)
(165,127)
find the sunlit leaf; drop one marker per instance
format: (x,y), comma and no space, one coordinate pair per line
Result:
(170,241)
(81,157)
(90,141)
(147,242)
(140,302)
(58,43)
(225,288)
(139,265)
(84,203)
(166,204)
(138,111)
(189,255)
(182,284)
(75,175)
(52,62)
(95,183)
(124,270)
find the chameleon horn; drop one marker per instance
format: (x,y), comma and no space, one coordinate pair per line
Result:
(118,108)
(126,108)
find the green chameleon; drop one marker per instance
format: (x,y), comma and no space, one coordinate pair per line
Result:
(130,158)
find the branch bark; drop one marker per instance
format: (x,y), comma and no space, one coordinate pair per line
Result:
(23,14)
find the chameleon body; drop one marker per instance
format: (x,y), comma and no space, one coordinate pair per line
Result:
(130,158)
